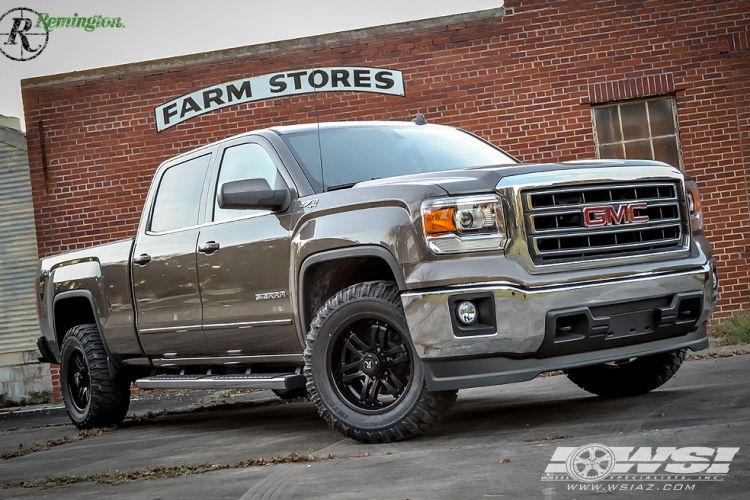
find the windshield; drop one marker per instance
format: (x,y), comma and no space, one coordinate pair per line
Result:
(362,153)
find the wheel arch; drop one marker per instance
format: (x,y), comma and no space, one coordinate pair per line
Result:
(74,308)
(323,274)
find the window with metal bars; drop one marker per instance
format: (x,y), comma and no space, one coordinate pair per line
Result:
(643,129)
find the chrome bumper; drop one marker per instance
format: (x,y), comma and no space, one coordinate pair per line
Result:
(520,313)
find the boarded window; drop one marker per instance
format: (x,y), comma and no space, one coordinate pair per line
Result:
(645,130)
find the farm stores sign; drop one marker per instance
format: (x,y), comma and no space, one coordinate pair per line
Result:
(258,88)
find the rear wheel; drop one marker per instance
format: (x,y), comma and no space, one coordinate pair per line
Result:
(362,370)
(626,378)
(91,398)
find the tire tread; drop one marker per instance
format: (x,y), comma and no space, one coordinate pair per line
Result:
(109,400)
(430,407)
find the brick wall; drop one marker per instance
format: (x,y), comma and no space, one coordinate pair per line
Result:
(524,80)
(729,186)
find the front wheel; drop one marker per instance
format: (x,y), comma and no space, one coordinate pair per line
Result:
(362,370)
(631,377)
(91,397)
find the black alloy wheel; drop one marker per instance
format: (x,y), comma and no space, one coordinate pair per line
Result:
(92,397)
(370,365)
(78,380)
(363,371)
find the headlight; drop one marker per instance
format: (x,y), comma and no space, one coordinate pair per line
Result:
(694,206)
(464,224)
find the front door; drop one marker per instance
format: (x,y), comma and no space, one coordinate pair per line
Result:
(243,263)
(165,277)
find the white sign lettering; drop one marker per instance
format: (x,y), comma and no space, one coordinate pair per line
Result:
(597,462)
(282,84)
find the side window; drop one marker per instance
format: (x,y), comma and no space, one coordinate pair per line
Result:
(245,161)
(179,195)
(645,130)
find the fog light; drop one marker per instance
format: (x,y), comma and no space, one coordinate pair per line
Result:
(467,312)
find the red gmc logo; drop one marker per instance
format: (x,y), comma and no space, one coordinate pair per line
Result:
(609,215)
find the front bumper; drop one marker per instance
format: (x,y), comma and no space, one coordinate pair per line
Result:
(521,315)
(461,373)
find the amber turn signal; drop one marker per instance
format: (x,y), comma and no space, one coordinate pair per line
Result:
(696,199)
(439,221)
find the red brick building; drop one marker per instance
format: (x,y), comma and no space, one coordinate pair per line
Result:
(546,80)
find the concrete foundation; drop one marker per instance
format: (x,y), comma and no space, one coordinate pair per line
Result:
(23,380)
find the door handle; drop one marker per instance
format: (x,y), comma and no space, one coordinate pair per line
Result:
(142,259)
(208,247)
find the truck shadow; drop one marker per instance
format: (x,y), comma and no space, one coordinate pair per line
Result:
(507,415)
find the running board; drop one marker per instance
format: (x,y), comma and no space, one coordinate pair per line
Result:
(283,381)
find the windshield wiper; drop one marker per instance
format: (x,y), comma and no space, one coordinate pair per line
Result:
(341,186)
(347,185)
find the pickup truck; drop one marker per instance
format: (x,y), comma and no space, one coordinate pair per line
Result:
(378,268)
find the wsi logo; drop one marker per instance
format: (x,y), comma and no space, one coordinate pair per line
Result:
(597,462)
(20,39)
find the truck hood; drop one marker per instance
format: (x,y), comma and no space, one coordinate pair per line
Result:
(485,179)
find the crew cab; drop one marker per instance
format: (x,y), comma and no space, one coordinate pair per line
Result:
(378,268)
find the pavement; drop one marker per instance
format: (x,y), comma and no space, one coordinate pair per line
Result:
(494,443)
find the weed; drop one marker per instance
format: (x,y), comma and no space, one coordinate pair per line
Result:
(734,329)
(725,352)
(547,438)
(553,373)
(51,443)
(224,394)
(166,472)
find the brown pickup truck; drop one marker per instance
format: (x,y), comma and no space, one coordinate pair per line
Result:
(378,267)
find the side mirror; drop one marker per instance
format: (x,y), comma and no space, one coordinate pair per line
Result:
(253,193)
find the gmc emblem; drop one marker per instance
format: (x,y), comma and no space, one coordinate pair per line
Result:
(609,215)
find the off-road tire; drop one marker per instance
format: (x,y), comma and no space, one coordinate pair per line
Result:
(632,378)
(287,394)
(108,400)
(414,413)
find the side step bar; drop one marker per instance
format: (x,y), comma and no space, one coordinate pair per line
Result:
(250,381)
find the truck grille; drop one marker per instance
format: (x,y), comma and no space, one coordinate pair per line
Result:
(584,222)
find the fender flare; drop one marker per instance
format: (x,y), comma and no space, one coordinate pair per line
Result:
(345,253)
(115,368)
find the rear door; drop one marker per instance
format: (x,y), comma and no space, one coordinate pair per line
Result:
(243,260)
(164,273)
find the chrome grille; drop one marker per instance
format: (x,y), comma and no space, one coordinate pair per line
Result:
(557,232)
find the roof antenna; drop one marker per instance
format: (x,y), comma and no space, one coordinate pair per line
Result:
(420,119)
(320,148)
